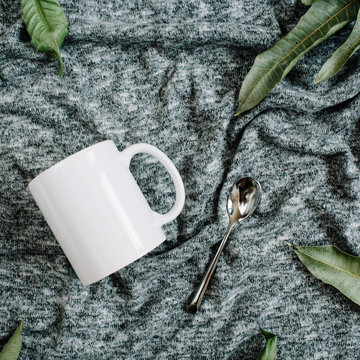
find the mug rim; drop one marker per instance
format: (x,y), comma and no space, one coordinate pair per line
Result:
(59,163)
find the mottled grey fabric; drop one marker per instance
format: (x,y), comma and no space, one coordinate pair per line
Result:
(168,73)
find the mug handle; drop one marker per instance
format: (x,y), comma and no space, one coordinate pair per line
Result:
(130,151)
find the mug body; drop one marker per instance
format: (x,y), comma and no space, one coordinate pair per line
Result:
(96,211)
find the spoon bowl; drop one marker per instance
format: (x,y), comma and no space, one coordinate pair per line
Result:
(243,200)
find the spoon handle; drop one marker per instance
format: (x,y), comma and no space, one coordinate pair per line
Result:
(195,303)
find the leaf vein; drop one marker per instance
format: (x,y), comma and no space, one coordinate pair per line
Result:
(297,46)
(328,264)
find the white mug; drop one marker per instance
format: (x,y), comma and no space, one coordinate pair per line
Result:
(97,211)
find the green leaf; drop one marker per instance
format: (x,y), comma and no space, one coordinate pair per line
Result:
(12,349)
(308,2)
(47,26)
(323,19)
(332,266)
(269,352)
(341,55)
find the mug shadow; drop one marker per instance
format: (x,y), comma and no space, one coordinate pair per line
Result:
(123,288)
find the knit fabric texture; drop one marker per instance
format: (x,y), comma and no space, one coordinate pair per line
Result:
(168,73)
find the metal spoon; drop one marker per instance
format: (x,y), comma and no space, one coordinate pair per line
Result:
(243,199)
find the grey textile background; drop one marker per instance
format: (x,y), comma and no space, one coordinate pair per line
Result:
(168,73)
